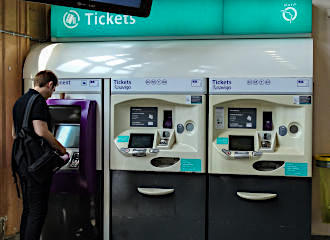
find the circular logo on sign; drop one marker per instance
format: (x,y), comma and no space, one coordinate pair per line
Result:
(71,19)
(289,14)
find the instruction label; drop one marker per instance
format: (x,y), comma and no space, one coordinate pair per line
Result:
(219,118)
(302,99)
(143,116)
(242,118)
(191,165)
(194,99)
(296,169)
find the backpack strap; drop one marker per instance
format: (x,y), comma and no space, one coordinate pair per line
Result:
(21,134)
(28,108)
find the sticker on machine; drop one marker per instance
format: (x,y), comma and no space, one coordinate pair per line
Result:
(190,165)
(302,100)
(122,139)
(296,169)
(194,100)
(222,140)
(219,118)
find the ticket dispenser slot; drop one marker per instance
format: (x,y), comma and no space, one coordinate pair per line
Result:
(164,161)
(267,165)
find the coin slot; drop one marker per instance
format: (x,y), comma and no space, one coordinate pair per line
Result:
(294,129)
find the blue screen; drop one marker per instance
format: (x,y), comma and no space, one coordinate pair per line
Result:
(68,135)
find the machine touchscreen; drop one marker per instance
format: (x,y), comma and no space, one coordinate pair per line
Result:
(141,140)
(68,135)
(241,143)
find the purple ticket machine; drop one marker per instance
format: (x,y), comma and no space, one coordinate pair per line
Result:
(73,212)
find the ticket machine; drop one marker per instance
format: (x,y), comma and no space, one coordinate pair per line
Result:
(158,157)
(260,158)
(74,209)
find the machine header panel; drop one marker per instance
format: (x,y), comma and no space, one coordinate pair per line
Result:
(79,85)
(158,86)
(267,85)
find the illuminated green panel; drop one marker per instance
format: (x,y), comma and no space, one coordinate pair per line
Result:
(188,18)
(267,17)
(167,18)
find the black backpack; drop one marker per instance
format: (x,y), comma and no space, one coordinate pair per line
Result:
(32,156)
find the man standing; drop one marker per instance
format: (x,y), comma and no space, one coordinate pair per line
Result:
(35,195)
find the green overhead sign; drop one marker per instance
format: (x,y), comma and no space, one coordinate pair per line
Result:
(267,16)
(188,18)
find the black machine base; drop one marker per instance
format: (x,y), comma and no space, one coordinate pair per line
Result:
(75,215)
(286,217)
(177,216)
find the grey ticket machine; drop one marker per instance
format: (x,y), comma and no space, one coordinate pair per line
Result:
(158,156)
(260,158)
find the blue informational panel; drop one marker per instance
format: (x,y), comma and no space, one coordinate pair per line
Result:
(191,165)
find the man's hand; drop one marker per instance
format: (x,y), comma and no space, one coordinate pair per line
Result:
(13,132)
(62,150)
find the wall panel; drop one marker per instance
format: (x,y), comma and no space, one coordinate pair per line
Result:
(321,126)
(29,19)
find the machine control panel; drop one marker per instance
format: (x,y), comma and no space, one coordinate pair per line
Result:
(74,162)
(155,132)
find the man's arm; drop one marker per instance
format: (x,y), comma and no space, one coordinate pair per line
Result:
(41,129)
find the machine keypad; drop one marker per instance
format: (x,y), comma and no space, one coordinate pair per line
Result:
(74,163)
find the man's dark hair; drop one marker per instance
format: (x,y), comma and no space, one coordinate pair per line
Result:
(44,77)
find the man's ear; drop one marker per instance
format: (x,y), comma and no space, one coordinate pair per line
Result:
(51,84)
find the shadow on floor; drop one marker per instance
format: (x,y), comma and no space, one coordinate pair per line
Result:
(313,237)
(320,237)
